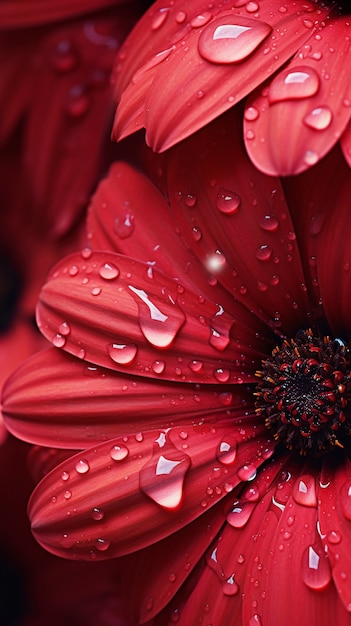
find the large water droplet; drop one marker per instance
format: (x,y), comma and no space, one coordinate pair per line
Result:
(264,253)
(227,201)
(316,572)
(304,491)
(157,327)
(82,466)
(300,82)
(109,271)
(269,223)
(319,118)
(230,587)
(231,39)
(123,354)
(240,514)
(119,452)
(124,227)
(162,478)
(226,450)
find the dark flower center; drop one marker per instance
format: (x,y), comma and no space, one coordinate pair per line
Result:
(304,393)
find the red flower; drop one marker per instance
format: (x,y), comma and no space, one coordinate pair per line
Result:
(183,65)
(232,489)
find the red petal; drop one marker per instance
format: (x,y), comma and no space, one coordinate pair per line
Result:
(291,124)
(346,144)
(144,488)
(124,315)
(20,13)
(34,409)
(195,84)
(237,222)
(72,79)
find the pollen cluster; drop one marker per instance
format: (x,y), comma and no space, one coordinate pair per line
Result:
(304,393)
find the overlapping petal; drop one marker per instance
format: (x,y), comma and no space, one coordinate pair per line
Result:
(23,13)
(129,492)
(203,61)
(96,404)
(311,98)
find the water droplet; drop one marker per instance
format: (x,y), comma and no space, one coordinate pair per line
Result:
(78,102)
(59,341)
(334,537)
(109,271)
(97,514)
(345,499)
(201,20)
(255,620)
(159,18)
(264,253)
(157,327)
(231,39)
(251,114)
(73,270)
(64,59)
(226,450)
(252,7)
(222,375)
(196,233)
(316,224)
(68,494)
(216,261)
(158,367)
(230,587)
(162,478)
(96,291)
(65,476)
(102,544)
(196,366)
(227,201)
(310,157)
(240,514)
(190,200)
(82,466)
(316,572)
(304,491)
(269,223)
(301,82)
(64,329)
(119,452)
(180,17)
(121,353)
(124,227)
(319,118)
(247,472)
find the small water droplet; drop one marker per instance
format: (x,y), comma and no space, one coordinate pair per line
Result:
(68,494)
(158,367)
(304,491)
(231,39)
(196,233)
(78,102)
(316,572)
(316,224)
(230,587)
(59,341)
(227,201)
(334,537)
(73,270)
(64,475)
(226,450)
(190,200)
(119,452)
(255,620)
(269,223)
(162,478)
(201,20)
(97,514)
(247,472)
(180,17)
(102,544)
(123,354)
(65,59)
(222,375)
(240,514)
(310,157)
(159,18)
(264,253)
(96,291)
(345,499)
(251,114)
(196,366)
(109,271)
(82,466)
(294,84)
(64,329)
(124,227)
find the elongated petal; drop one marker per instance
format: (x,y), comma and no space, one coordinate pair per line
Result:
(218,58)
(144,489)
(238,224)
(95,404)
(296,119)
(346,144)
(122,314)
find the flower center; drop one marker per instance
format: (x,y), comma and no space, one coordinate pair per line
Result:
(304,393)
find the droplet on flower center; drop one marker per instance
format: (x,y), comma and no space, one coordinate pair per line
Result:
(304,393)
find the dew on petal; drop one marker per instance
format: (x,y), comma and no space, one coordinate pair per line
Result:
(247,472)
(263,253)
(231,39)
(158,367)
(240,514)
(124,227)
(345,499)
(311,157)
(294,84)
(222,375)
(97,514)
(162,478)
(316,572)
(109,271)
(119,452)
(102,544)
(159,18)
(304,491)
(64,329)
(201,20)
(123,354)
(82,466)
(196,366)
(269,223)
(64,475)
(227,201)
(157,327)
(251,114)
(230,587)
(65,58)
(226,450)
(59,341)
(319,118)
(78,102)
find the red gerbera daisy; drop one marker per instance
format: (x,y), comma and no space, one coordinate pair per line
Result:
(183,65)
(201,368)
